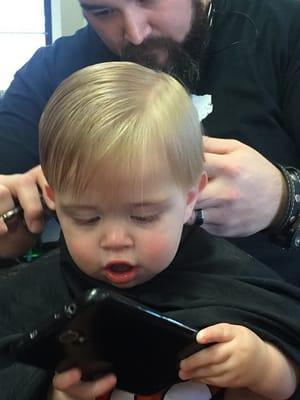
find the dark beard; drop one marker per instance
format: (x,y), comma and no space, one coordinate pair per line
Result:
(181,60)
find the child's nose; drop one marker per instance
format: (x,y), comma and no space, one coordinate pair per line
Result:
(136,26)
(116,238)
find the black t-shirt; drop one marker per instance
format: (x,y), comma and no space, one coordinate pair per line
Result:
(252,71)
(253,75)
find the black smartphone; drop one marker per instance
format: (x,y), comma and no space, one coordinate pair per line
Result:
(107,332)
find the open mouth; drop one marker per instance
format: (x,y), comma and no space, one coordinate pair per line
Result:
(119,268)
(120,273)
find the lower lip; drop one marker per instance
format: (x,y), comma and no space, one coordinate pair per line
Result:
(121,277)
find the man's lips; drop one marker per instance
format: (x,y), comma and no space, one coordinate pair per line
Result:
(120,272)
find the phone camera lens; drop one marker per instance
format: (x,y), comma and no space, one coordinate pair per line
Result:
(71,309)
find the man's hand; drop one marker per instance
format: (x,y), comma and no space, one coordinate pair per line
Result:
(244,193)
(17,234)
(68,386)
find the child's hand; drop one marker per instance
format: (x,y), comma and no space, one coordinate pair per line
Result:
(235,360)
(68,386)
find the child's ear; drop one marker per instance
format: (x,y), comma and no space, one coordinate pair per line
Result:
(49,197)
(192,195)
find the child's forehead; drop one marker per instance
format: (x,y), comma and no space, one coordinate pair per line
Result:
(131,183)
(123,194)
(145,183)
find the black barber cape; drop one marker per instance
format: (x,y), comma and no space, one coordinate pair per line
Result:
(209,281)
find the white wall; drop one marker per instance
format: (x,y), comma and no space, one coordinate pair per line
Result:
(66,17)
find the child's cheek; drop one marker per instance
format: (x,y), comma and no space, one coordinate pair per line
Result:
(161,250)
(81,252)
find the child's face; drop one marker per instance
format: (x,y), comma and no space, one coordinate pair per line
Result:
(127,234)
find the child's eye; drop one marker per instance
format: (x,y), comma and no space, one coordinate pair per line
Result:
(145,219)
(86,221)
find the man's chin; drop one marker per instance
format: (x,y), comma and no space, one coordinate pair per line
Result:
(158,59)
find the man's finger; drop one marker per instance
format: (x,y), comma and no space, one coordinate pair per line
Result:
(217,164)
(219,146)
(39,176)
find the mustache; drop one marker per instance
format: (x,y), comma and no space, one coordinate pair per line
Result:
(153,51)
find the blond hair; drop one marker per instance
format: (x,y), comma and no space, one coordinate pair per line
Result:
(118,111)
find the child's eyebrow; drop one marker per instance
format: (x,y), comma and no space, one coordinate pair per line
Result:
(150,203)
(69,208)
(76,207)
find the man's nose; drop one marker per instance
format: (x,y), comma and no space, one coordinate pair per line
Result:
(116,238)
(136,26)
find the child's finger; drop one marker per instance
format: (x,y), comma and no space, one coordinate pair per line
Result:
(209,372)
(92,389)
(64,380)
(212,355)
(218,333)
